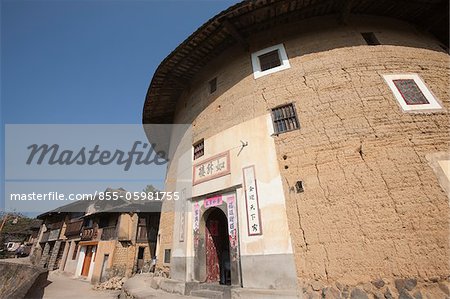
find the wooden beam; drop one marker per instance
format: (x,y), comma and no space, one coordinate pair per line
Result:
(231,29)
(292,15)
(182,82)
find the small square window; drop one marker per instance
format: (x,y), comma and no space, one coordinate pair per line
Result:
(411,93)
(199,149)
(88,223)
(166,256)
(285,119)
(213,85)
(269,60)
(370,38)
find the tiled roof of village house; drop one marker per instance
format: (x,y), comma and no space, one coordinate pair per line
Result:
(240,21)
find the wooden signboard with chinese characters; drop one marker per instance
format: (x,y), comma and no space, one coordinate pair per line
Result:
(251,201)
(211,168)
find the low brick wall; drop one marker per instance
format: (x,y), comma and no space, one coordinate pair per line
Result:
(18,280)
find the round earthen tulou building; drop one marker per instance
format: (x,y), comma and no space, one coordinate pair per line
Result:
(318,155)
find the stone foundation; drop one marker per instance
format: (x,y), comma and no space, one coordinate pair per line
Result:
(405,288)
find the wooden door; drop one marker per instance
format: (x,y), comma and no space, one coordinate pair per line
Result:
(140,259)
(212,254)
(87,261)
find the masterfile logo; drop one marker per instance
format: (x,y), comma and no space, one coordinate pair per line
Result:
(50,164)
(52,154)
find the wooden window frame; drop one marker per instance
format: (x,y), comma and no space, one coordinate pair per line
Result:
(201,141)
(293,117)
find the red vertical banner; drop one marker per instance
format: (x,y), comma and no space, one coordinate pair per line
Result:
(232,220)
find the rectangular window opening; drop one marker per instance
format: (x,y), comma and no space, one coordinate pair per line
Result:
(213,85)
(88,223)
(370,38)
(199,149)
(75,251)
(285,119)
(269,60)
(104,222)
(410,92)
(166,256)
(141,253)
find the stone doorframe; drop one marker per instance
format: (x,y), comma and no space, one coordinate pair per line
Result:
(199,244)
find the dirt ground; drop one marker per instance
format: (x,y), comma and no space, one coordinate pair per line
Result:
(63,286)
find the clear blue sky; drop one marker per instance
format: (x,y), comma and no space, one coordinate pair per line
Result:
(87,62)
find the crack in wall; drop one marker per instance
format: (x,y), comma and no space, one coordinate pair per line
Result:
(299,217)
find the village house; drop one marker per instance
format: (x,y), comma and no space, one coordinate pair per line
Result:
(18,232)
(116,244)
(319,153)
(97,240)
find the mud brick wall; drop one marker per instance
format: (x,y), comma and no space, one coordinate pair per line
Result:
(372,206)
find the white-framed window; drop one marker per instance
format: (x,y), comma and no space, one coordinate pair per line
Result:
(269,60)
(411,93)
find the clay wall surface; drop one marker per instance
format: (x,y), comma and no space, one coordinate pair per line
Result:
(373,207)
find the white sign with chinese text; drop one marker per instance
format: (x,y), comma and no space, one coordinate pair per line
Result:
(251,201)
(211,168)
(196,223)
(196,216)
(182,216)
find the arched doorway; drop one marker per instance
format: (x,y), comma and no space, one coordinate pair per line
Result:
(217,247)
